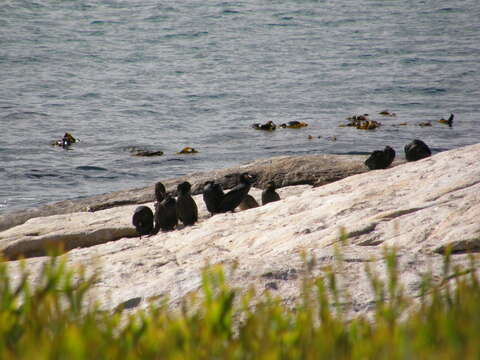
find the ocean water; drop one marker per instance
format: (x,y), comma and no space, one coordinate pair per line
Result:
(162,75)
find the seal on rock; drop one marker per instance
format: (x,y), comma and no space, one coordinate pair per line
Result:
(187,210)
(234,197)
(212,196)
(248,202)
(165,214)
(269,194)
(416,150)
(143,220)
(380,159)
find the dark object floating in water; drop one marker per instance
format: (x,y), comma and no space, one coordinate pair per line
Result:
(294,125)
(248,202)
(187,210)
(143,220)
(66,141)
(187,150)
(416,150)
(387,113)
(269,194)
(269,126)
(212,196)
(143,152)
(380,159)
(448,122)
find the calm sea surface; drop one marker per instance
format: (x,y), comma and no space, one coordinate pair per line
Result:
(162,75)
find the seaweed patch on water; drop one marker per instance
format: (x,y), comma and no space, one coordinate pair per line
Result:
(136,151)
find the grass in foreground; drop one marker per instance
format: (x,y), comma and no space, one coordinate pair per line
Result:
(54,321)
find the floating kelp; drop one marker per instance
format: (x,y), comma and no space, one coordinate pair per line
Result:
(66,141)
(143,152)
(387,113)
(187,150)
(361,122)
(294,125)
(425,123)
(358,117)
(268,126)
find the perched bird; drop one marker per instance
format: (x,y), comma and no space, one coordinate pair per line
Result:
(160,192)
(234,197)
(212,196)
(416,150)
(248,202)
(187,210)
(380,159)
(143,220)
(449,122)
(165,214)
(269,194)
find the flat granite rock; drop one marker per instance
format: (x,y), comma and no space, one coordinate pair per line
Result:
(66,232)
(284,170)
(420,208)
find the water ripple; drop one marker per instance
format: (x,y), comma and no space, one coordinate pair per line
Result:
(192,73)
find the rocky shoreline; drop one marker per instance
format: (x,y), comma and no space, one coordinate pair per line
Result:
(421,208)
(313,170)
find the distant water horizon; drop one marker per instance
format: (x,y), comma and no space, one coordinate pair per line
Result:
(163,76)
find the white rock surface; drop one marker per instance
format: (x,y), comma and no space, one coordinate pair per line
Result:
(420,208)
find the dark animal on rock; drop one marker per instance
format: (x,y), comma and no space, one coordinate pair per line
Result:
(212,196)
(143,220)
(380,159)
(160,192)
(165,214)
(416,150)
(248,202)
(269,194)
(234,197)
(187,210)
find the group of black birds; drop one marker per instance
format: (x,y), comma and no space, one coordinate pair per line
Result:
(169,211)
(381,159)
